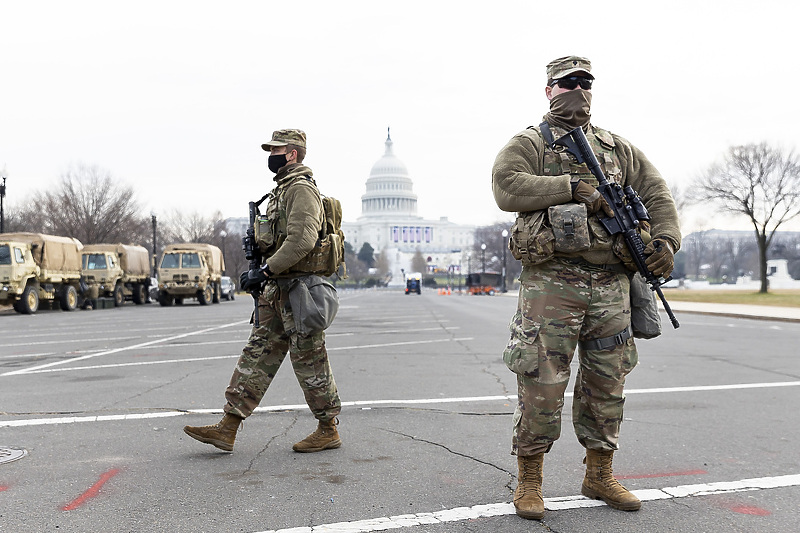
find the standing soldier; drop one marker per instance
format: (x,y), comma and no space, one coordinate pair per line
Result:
(575,291)
(295,217)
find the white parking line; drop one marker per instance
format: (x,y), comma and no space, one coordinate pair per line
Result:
(121,349)
(366,404)
(551,504)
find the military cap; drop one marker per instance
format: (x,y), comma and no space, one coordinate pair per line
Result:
(568,65)
(284,137)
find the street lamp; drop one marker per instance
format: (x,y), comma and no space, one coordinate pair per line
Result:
(223,234)
(4,175)
(483,258)
(505,245)
(155,248)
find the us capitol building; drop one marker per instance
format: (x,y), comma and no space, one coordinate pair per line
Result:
(389,222)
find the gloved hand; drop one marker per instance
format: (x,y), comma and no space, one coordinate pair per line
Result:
(660,257)
(621,249)
(586,194)
(252,279)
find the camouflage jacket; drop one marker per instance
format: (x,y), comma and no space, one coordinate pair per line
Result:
(529,176)
(295,213)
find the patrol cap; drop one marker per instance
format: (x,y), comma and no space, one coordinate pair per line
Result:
(567,66)
(284,137)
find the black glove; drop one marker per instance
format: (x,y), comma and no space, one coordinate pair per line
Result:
(252,279)
(584,193)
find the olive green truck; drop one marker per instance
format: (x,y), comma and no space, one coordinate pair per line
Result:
(190,270)
(35,267)
(118,271)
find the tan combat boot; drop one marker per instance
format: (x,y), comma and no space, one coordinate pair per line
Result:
(600,483)
(221,434)
(528,497)
(324,438)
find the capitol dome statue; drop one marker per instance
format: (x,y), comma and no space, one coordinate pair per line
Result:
(389,188)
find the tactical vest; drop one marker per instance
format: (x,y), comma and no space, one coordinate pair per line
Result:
(271,230)
(537,236)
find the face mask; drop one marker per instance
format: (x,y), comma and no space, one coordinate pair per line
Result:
(571,109)
(276,162)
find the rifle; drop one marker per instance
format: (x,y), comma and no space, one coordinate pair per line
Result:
(252,254)
(628,211)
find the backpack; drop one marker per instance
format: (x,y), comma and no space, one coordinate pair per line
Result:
(327,256)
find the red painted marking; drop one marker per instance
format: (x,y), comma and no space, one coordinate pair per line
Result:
(749,509)
(91,492)
(663,474)
(3,488)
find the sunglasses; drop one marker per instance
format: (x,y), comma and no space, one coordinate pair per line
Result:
(572,82)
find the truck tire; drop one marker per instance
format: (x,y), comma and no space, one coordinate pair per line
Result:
(29,301)
(217,292)
(68,299)
(119,295)
(205,296)
(139,295)
(165,299)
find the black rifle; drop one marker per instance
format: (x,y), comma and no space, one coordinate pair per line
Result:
(628,211)
(252,254)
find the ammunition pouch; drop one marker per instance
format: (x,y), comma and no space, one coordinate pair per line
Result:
(537,235)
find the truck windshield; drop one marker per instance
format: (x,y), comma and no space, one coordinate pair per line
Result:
(191,261)
(171,261)
(95,261)
(5,255)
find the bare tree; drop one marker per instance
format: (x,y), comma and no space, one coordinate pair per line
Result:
(496,245)
(192,227)
(758,181)
(89,205)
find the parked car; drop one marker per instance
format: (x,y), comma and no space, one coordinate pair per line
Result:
(227,288)
(153,290)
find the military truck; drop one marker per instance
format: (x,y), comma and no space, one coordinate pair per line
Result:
(35,267)
(119,271)
(190,270)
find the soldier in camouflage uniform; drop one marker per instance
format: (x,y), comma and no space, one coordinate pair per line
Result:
(295,214)
(574,291)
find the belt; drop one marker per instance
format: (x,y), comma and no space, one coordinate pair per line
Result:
(606,343)
(619,268)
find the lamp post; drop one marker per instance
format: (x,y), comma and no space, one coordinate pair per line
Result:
(483,258)
(4,175)
(223,234)
(155,247)
(505,245)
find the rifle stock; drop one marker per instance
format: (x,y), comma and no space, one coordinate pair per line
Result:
(628,211)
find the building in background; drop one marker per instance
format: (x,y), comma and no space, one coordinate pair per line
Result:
(390,224)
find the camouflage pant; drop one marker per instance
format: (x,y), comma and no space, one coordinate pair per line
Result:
(559,304)
(264,352)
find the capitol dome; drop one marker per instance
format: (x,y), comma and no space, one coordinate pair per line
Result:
(389,189)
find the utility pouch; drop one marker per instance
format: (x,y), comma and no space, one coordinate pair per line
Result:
(645,319)
(324,258)
(264,235)
(570,227)
(314,303)
(531,240)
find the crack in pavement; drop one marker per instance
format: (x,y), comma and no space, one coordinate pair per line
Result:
(267,445)
(412,437)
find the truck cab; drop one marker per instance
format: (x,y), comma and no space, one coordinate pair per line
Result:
(189,270)
(16,268)
(101,271)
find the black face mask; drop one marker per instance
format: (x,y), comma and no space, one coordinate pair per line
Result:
(276,162)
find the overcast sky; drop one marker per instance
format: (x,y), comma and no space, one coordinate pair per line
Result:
(175,97)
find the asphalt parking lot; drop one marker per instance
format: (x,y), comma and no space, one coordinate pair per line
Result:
(93,404)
